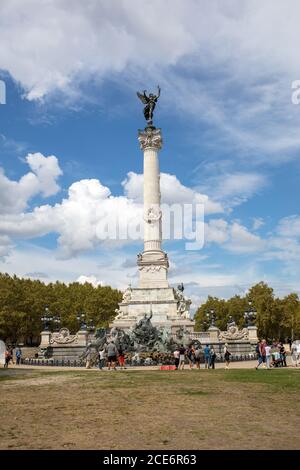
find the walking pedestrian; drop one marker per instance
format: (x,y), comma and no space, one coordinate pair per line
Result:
(261,354)
(227,355)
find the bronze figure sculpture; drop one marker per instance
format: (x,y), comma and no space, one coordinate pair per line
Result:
(150,102)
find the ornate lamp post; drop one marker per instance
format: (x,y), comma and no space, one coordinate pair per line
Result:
(90,325)
(250,314)
(211,317)
(57,322)
(81,320)
(46,319)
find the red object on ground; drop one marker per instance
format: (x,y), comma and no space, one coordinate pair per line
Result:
(167,367)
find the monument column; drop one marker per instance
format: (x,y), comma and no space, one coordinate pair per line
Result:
(153,262)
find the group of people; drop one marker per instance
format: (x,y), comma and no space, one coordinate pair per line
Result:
(193,355)
(9,357)
(108,355)
(270,355)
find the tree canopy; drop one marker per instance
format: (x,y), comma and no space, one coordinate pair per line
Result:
(23,303)
(276,318)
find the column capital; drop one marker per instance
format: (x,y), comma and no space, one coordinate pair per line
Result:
(150,138)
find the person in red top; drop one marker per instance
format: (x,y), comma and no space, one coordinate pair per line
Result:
(262,354)
(8,358)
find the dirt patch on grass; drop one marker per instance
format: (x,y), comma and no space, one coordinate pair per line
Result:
(149,410)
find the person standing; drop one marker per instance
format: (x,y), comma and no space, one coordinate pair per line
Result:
(268,356)
(227,355)
(206,356)
(88,358)
(197,357)
(7,357)
(121,358)
(212,357)
(18,356)
(282,354)
(176,355)
(261,354)
(101,358)
(294,354)
(181,357)
(190,355)
(112,355)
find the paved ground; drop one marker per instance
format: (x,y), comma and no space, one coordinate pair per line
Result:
(233,365)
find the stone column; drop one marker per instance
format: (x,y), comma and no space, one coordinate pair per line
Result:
(153,262)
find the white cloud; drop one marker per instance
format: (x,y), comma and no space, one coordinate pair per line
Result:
(80,220)
(289,227)
(233,188)
(258,222)
(243,241)
(233,237)
(100,265)
(90,279)
(15,195)
(246,66)
(172,192)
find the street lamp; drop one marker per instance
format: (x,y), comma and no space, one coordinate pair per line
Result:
(90,325)
(211,317)
(46,319)
(57,321)
(250,314)
(81,320)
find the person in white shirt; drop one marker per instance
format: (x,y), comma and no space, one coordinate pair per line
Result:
(101,358)
(268,355)
(295,353)
(176,357)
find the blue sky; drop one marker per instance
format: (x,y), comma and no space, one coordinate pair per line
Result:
(68,137)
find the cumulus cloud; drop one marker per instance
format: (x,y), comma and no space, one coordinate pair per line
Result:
(233,237)
(89,279)
(15,195)
(89,216)
(172,192)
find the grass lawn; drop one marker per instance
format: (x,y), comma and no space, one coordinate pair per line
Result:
(235,409)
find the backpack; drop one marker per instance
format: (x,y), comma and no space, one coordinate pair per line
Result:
(257,349)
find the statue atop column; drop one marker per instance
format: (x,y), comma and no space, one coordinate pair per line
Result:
(150,102)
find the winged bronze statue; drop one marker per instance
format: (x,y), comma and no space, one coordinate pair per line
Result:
(149,102)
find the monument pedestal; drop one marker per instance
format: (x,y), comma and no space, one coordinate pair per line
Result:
(160,302)
(252,331)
